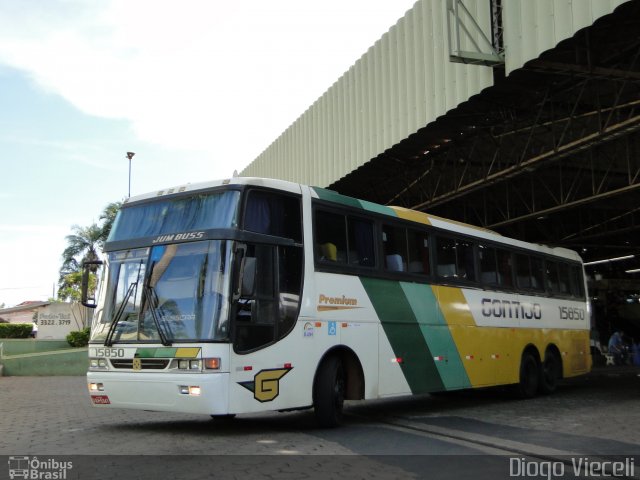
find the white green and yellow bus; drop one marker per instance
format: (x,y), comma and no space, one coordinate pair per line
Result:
(247,295)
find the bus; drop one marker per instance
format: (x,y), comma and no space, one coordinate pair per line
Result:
(249,295)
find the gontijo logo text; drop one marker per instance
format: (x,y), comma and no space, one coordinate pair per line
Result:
(499,308)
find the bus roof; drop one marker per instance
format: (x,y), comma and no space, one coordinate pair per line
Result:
(203,186)
(334,197)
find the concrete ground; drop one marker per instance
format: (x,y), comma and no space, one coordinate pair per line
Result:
(597,415)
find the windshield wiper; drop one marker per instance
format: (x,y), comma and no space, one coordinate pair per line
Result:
(108,341)
(152,300)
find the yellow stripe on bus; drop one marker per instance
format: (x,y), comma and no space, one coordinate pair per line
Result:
(187,352)
(411,215)
(494,352)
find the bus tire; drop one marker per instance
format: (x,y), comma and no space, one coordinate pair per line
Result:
(224,418)
(329,392)
(529,377)
(549,373)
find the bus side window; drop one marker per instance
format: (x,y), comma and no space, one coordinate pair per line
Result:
(330,237)
(256,315)
(505,268)
(523,271)
(537,273)
(446,257)
(465,260)
(270,312)
(273,214)
(418,252)
(564,279)
(394,244)
(361,246)
(289,287)
(553,282)
(577,282)
(488,270)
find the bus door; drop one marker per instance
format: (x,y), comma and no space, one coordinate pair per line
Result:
(265,310)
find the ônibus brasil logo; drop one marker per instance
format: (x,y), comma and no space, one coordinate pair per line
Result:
(34,468)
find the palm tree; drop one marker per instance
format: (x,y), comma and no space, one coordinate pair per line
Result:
(83,245)
(108,216)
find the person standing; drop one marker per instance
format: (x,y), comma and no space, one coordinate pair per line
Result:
(34,330)
(616,347)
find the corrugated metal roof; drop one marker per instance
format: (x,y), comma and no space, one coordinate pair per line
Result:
(402,83)
(531,27)
(406,80)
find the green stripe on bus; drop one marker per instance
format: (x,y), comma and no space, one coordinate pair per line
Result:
(332,196)
(377,208)
(404,334)
(437,335)
(156,352)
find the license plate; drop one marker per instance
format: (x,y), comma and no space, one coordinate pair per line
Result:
(100,399)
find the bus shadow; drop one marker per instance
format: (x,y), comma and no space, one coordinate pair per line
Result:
(303,421)
(362,411)
(248,424)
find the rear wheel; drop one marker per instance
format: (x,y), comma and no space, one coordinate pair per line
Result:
(529,377)
(329,392)
(549,373)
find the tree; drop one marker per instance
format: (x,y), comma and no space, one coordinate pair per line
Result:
(70,286)
(108,216)
(83,245)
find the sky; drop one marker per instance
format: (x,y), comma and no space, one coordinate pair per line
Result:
(196,88)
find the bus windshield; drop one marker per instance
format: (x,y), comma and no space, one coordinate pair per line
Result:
(198,212)
(176,292)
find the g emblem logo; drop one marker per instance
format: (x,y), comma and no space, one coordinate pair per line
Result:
(266,384)
(137,364)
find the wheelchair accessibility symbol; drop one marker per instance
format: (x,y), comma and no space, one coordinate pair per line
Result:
(332,328)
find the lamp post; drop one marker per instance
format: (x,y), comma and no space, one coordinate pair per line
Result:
(130,156)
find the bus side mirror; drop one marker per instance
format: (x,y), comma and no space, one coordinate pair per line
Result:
(248,277)
(87,269)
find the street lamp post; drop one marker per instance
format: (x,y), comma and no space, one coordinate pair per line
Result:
(130,156)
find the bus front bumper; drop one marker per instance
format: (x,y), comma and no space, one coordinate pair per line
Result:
(165,392)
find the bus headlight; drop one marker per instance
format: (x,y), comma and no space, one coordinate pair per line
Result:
(183,364)
(190,365)
(98,364)
(197,365)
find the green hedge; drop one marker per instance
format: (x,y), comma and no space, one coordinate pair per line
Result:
(15,330)
(79,338)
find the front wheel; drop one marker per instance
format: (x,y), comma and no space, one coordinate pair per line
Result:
(328,392)
(224,418)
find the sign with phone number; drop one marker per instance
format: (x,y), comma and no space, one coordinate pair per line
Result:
(57,320)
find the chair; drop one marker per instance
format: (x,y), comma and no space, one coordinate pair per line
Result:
(416,266)
(329,251)
(394,263)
